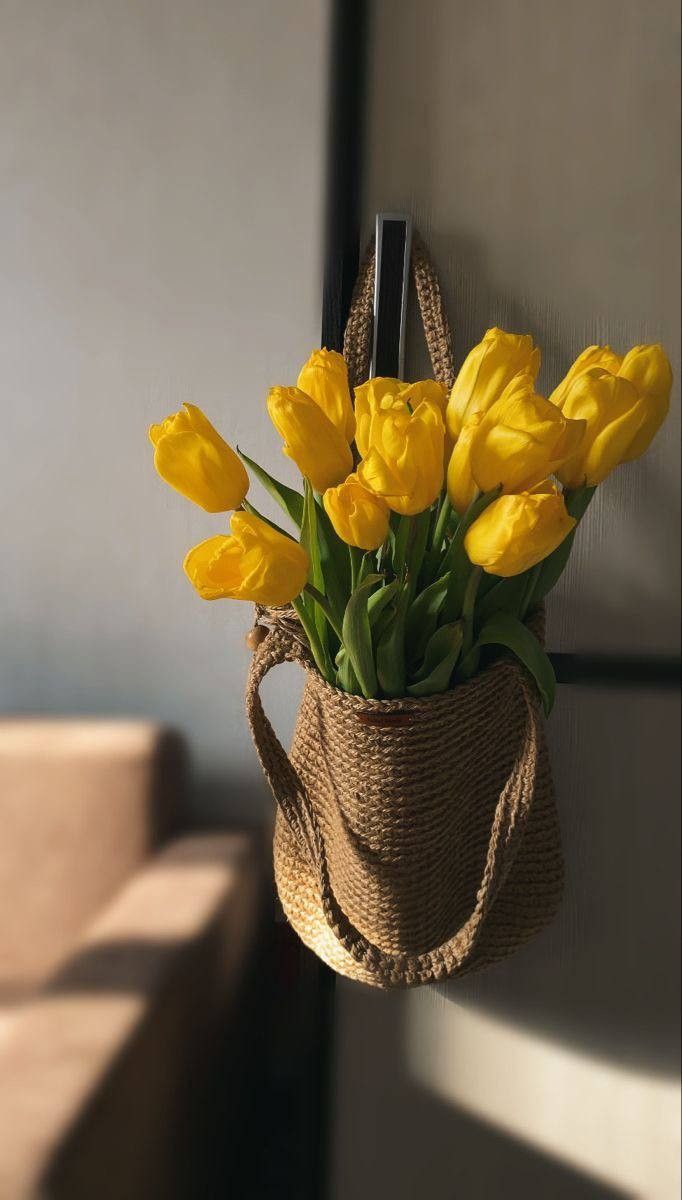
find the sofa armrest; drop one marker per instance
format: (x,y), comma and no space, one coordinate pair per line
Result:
(83,803)
(95,1072)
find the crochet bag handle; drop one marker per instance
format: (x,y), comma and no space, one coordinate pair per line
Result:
(508,823)
(357,342)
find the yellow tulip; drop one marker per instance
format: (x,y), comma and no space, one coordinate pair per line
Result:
(359,517)
(320,451)
(193,458)
(521,439)
(382,393)
(615,414)
(371,398)
(325,379)
(515,533)
(255,563)
(402,447)
(648,368)
(485,373)
(425,389)
(593,356)
(462,487)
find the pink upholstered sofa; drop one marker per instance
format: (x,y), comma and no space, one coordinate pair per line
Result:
(123,942)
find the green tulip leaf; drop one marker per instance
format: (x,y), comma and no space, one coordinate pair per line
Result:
(391,648)
(311,544)
(505,630)
(506,595)
(334,562)
(441,655)
(347,679)
(304,609)
(553,567)
(357,636)
(378,601)
(288,499)
(422,617)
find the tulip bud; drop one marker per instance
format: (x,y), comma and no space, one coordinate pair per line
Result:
(359,517)
(255,563)
(515,533)
(193,458)
(320,451)
(648,368)
(371,398)
(425,389)
(402,446)
(462,487)
(615,416)
(485,373)
(325,379)
(521,439)
(593,356)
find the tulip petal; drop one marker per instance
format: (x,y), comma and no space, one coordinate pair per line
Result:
(200,470)
(324,377)
(320,451)
(256,563)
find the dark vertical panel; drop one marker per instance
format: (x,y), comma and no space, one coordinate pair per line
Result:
(347,58)
(393,237)
(349,31)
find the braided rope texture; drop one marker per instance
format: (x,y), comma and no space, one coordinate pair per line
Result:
(357,342)
(415,839)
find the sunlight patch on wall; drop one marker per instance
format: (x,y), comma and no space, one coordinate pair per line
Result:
(615,1123)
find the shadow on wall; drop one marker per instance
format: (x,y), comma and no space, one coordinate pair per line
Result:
(230,799)
(395,1138)
(605,976)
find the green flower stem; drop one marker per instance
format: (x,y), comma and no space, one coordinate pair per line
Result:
(368,566)
(326,607)
(416,548)
(531,584)
(355,555)
(455,560)
(402,537)
(477,506)
(441,524)
(246,506)
(436,541)
(468,605)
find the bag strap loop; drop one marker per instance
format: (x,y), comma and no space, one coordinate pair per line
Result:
(357,342)
(509,820)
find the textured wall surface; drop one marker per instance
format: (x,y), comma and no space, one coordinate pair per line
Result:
(161,168)
(536,145)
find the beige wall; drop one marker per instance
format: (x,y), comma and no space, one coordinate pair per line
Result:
(537,145)
(161,166)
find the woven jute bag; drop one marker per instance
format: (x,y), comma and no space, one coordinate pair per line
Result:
(415,839)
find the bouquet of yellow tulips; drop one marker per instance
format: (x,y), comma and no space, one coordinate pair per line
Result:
(429,525)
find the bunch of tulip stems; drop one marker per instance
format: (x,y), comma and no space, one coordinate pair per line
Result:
(429,526)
